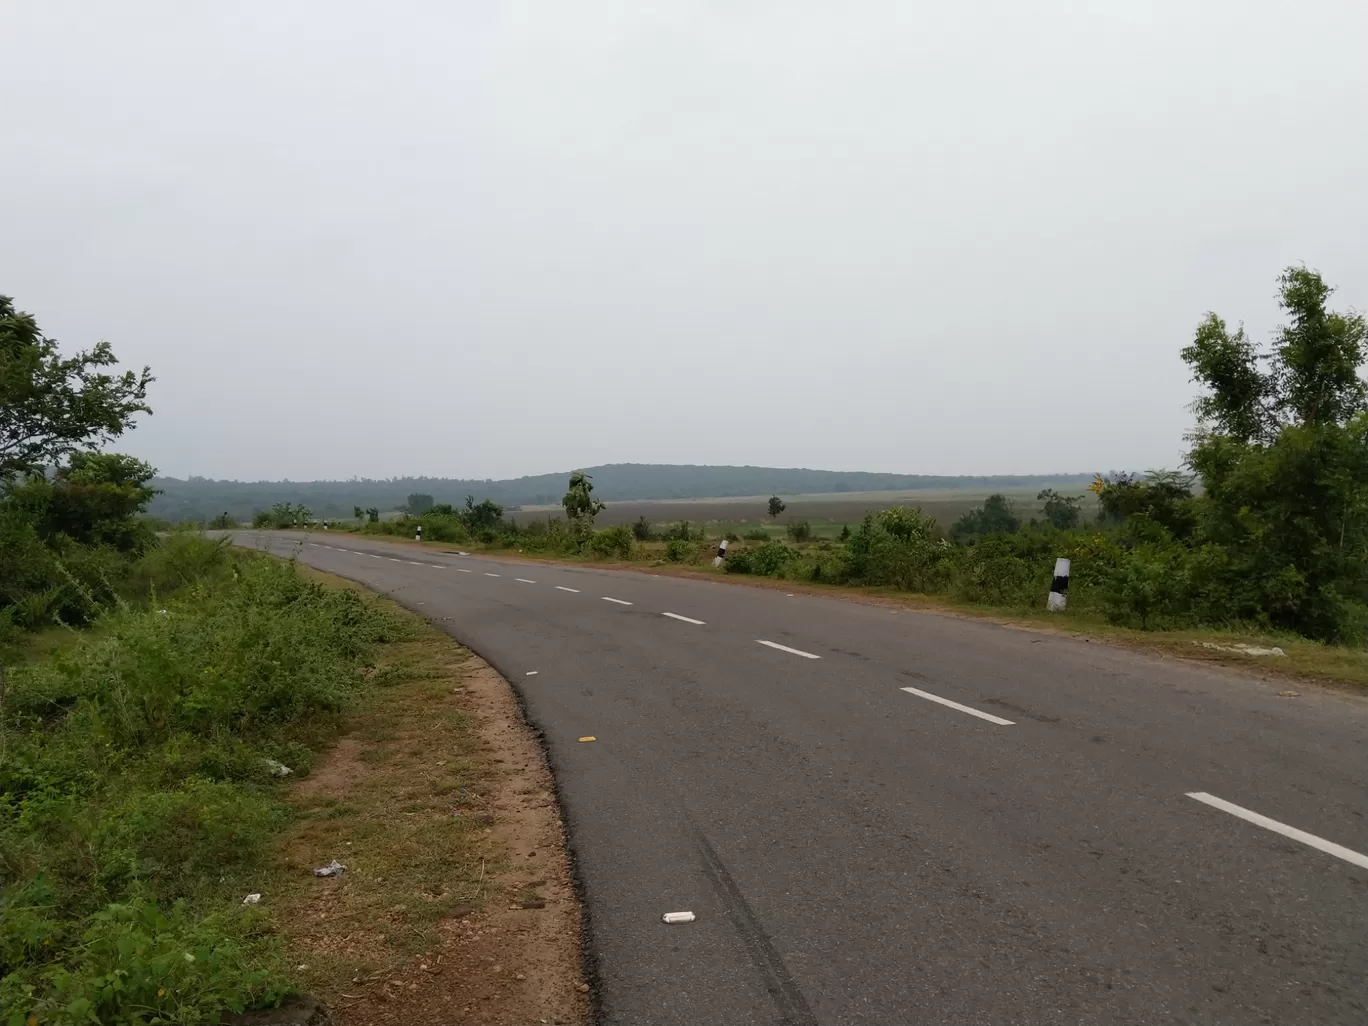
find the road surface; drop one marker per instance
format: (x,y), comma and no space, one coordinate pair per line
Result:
(884,816)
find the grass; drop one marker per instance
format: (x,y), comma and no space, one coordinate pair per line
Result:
(414,799)
(137,803)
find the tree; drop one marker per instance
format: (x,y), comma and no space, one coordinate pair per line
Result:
(482,516)
(1062,511)
(418,504)
(1283,458)
(641,530)
(776,506)
(997,515)
(580,505)
(93,500)
(51,407)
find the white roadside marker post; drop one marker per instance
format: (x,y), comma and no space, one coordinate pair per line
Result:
(721,553)
(418,536)
(1059,587)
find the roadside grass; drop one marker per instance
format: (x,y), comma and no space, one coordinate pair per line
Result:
(423,809)
(138,800)
(398,801)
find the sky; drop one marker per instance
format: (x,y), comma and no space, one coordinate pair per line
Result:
(488,239)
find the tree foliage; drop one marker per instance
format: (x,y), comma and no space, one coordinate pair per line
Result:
(1062,512)
(776,506)
(1282,454)
(50,406)
(418,503)
(580,505)
(997,515)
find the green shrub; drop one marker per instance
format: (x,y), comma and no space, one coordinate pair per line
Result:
(138,964)
(612,542)
(757,534)
(678,551)
(766,560)
(135,775)
(641,530)
(799,530)
(900,548)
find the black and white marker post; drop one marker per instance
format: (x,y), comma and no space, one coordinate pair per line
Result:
(721,553)
(419,535)
(1059,587)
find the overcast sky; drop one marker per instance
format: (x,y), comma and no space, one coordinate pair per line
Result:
(489,239)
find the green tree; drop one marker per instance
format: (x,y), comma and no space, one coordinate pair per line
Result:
(93,500)
(1062,511)
(418,504)
(51,407)
(776,506)
(580,505)
(1283,458)
(482,516)
(997,515)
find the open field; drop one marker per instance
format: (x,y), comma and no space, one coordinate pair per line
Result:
(827,512)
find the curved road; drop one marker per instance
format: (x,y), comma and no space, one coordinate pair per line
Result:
(885,816)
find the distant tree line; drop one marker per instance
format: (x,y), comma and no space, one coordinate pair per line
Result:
(200,499)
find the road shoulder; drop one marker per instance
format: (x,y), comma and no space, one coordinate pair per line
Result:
(458,903)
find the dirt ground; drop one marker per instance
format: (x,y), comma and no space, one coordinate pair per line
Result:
(457,904)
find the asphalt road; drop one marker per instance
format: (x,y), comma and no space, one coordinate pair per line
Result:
(856,850)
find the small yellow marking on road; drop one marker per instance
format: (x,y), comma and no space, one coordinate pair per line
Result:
(589,738)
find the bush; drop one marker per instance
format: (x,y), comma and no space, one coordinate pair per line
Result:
(767,560)
(641,530)
(757,534)
(677,551)
(134,777)
(137,964)
(799,530)
(991,572)
(612,541)
(898,547)
(681,531)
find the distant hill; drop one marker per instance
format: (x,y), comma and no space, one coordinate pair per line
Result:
(200,498)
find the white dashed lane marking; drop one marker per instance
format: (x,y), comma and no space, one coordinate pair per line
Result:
(461,570)
(1319,843)
(686,619)
(488,574)
(955,705)
(523,580)
(621,602)
(785,648)
(561,587)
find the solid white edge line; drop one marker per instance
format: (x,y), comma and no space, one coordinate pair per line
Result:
(962,708)
(621,602)
(561,587)
(1319,843)
(488,574)
(686,619)
(523,580)
(785,648)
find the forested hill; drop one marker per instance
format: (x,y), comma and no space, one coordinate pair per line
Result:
(200,498)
